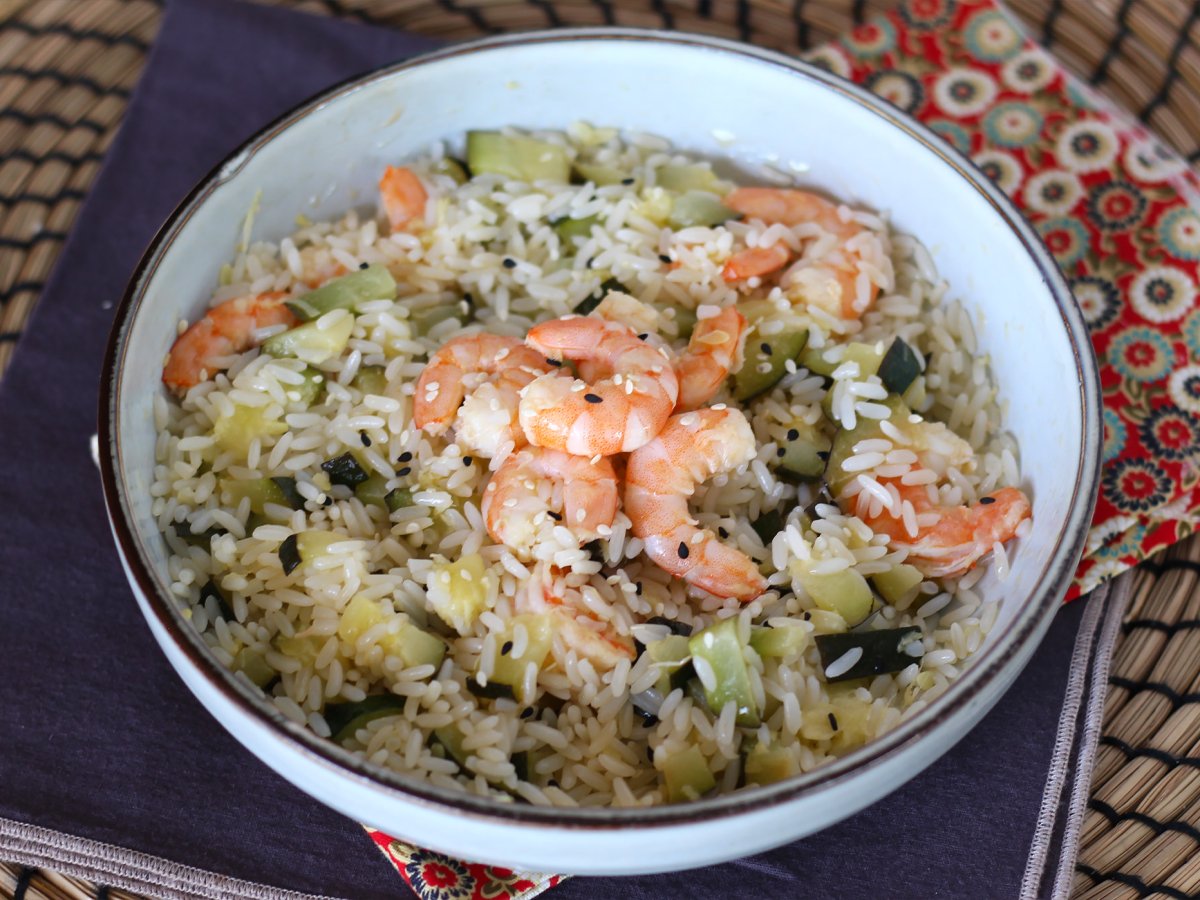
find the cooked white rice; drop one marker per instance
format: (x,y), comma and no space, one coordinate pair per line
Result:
(580,737)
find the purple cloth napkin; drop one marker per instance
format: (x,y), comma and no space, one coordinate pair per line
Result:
(102,741)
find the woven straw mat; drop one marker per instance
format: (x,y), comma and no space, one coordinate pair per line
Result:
(66,71)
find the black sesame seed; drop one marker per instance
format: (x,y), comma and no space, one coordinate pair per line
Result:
(986,500)
(765,348)
(506,649)
(363,265)
(649,720)
(405,457)
(780,452)
(593,398)
(722,532)
(553,362)
(557,517)
(467,460)
(509,262)
(328,501)
(664,258)
(793,434)
(638,589)
(527,712)
(628,181)
(807,616)
(588,264)
(823,455)
(407,470)
(289,554)
(683,550)
(833,723)
(365,438)
(642,337)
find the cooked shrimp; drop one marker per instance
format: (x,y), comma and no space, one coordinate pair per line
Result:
(712,352)
(224,330)
(403,196)
(831,284)
(573,625)
(956,537)
(754,262)
(489,416)
(615,414)
(515,512)
(660,478)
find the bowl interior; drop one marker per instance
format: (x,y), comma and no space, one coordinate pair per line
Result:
(705,97)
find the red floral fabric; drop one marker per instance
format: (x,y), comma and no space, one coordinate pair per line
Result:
(1119,213)
(433,876)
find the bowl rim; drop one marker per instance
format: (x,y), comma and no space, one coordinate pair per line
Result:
(995,657)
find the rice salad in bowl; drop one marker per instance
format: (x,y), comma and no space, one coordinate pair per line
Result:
(577,473)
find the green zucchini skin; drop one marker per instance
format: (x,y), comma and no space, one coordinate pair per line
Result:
(883,651)
(899,367)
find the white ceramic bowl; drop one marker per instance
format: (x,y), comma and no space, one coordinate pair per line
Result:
(326,156)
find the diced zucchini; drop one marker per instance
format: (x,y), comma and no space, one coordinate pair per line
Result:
(345,719)
(254,666)
(718,645)
(767,766)
(567,228)
(687,776)
(210,591)
(914,397)
(304,649)
(782,641)
(804,455)
(311,544)
(451,739)
(749,381)
(587,305)
(260,492)
(373,491)
(685,322)
(699,208)
(398,498)
(413,645)
(457,591)
(516,156)
(897,584)
(655,205)
(371,380)
(767,526)
(509,669)
(882,651)
(309,343)
(344,470)
(493,690)
(455,168)
(864,429)
(374,282)
(845,593)
(237,431)
(599,174)
(671,656)
(424,320)
(899,367)
(691,177)
(868,357)
(310,389)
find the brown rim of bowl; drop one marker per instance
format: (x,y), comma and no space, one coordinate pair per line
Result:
(994,657)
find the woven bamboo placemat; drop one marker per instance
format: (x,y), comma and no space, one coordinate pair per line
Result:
(66,70)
